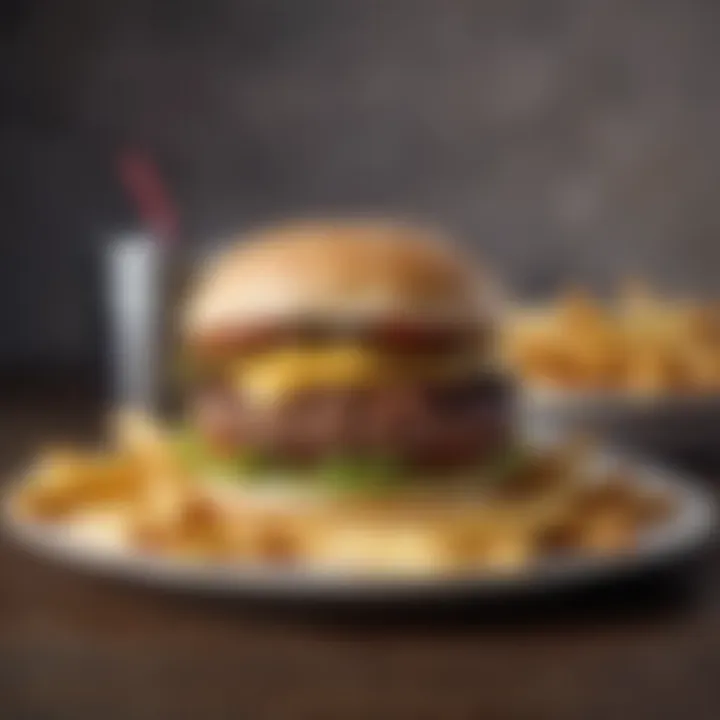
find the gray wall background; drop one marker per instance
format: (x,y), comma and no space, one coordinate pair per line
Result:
(561,138)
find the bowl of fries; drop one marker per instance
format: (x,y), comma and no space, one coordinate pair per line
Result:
(641,368)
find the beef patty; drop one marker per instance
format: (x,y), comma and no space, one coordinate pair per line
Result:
(423,426)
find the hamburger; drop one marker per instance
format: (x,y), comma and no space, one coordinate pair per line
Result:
(349,355)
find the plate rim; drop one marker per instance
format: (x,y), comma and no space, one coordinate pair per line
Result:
(542,395)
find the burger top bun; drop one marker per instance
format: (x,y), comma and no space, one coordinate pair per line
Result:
(336,272)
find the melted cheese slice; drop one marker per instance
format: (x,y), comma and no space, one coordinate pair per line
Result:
(272,375)
(269,376)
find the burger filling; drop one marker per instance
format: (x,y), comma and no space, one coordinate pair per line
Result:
(348,409)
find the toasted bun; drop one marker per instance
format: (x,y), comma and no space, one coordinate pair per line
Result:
(336,271)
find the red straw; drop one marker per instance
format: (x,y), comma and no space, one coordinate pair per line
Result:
(142,181)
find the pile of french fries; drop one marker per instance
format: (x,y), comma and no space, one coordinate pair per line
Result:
(640,344)
(140,489)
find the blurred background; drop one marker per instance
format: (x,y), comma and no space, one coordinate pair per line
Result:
(563,139)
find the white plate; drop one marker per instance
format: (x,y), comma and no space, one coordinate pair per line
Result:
(689,529)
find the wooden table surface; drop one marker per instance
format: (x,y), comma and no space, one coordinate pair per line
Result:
(73,647)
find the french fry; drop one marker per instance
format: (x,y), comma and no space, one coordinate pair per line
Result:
(642,344)
(144,439)
(160,512)
(608,532)
(63,481)
(509,551)
(577,310)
